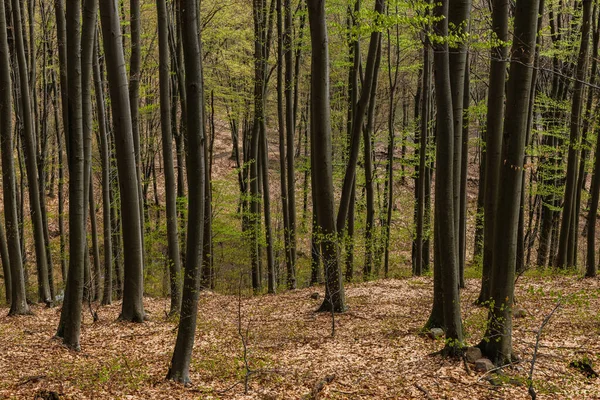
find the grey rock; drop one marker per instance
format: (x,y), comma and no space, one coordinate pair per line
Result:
(436,333)
(315,296)
(484,365)
(473,354)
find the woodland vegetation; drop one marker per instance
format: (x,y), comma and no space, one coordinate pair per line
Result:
(299,198)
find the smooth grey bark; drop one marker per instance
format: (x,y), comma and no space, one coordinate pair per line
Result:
(18,301)
(493,139)
(133,280)
(69,328)
(291,278)
(180,363)
(458,19)
(564,258)
(29,148)
(369,173)
(173,255)
(321,153)
(444,185)
(357,122)
(497,342)
(422,168)
(290,129)
(105,157)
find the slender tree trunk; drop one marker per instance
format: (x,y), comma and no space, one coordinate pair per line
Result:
(18,300)
(458,19)
(132,307)
(173,256)
(569,206)
(493,140)
(369,174)
(357,122)
(291,279)
(182,354)
(290,126)
(31,161)
(105,157)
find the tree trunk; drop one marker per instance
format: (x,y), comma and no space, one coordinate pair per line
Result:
(133,289)
(497,343)
(18,300)
(444,185)
(173,256)
(321,153)
(29,147)
(289,129)
(182,354)
(493,140)
(569,207)
(105,157)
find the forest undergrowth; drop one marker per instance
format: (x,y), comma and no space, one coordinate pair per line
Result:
(378,350)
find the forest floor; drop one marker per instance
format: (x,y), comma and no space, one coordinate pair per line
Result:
(378,350)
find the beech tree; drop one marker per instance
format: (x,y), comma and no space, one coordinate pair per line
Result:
(192,51)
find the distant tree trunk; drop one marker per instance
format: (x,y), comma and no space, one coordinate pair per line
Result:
(566,240)
(29,147)
(493,139)
(264,160)
(422,167)
(134,100)
(321,153)
(133,307)
(95,247)
(180,363)
(464,163)
(105,157)
(289,129)
(5,264)
(18,300)
(61,178)
(357,122)
(291,278)
(173,256)
(369,174)
(444,201)
(497,343)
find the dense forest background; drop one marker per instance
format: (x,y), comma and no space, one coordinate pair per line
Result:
(230,180)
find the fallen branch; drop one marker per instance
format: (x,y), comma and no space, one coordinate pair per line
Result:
(530,389)
(425,392)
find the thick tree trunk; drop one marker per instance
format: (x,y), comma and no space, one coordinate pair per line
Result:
(70,319)
(321,153)
(497,343)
